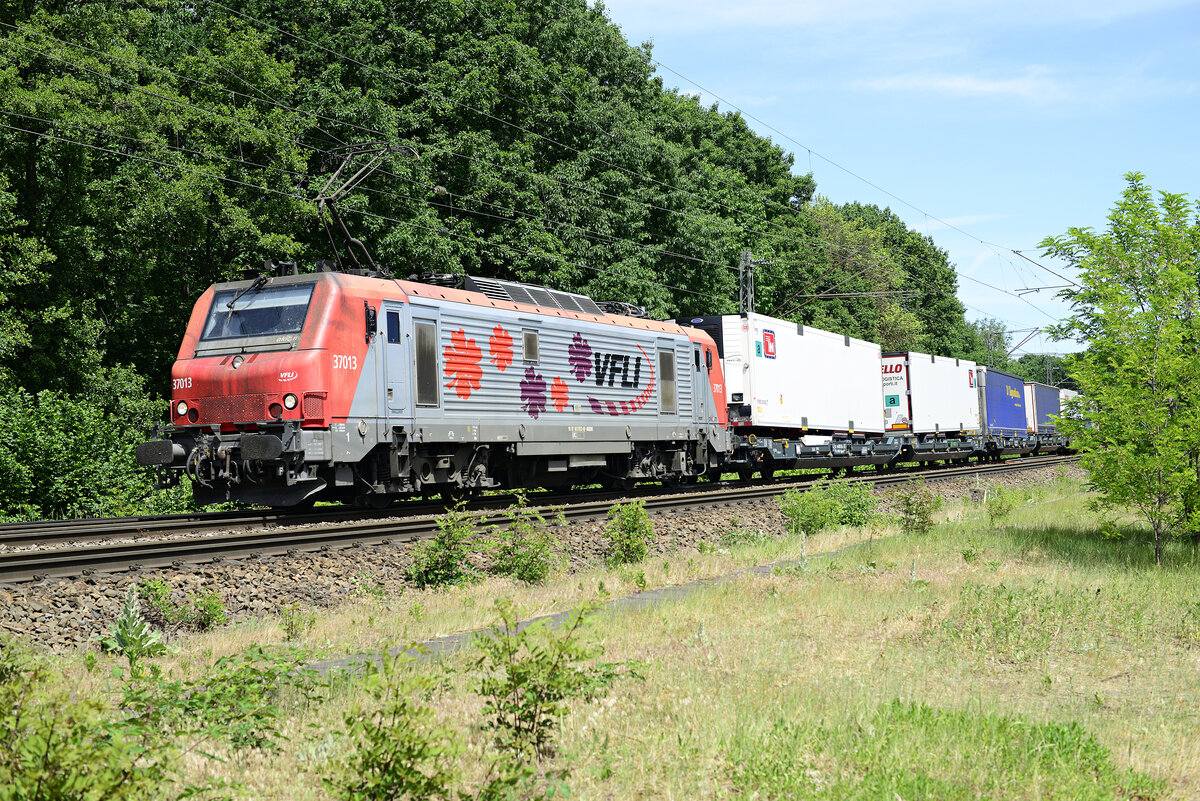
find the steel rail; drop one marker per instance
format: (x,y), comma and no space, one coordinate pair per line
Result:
(37,564)
(45,532)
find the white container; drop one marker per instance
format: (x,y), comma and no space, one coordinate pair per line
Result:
(800,378)
(924,394)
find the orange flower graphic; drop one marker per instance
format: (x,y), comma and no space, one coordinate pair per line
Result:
(558,394)
(500,346)
(462,364)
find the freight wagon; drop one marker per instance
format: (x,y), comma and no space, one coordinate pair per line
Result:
(930,405)
(1002,414)
(798,396)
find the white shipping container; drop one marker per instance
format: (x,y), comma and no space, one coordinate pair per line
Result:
(924,394)
(798,377)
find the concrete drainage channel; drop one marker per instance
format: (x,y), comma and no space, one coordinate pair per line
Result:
(439,647)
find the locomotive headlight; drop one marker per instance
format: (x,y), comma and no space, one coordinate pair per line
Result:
(290,401)
(237,361)
(180,408)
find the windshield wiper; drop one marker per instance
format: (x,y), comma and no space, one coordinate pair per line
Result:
(259,283)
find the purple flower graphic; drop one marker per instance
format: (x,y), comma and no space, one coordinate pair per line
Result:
(580,353)
(533,393)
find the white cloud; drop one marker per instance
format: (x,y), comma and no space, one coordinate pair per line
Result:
(1034,83)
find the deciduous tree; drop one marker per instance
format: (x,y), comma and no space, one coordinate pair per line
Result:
(1138,309)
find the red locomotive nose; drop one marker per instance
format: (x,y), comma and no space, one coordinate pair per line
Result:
(262,387)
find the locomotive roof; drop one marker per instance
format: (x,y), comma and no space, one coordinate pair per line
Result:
(378,287)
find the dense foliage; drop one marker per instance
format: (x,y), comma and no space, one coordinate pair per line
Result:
(1138,309)
(149,148)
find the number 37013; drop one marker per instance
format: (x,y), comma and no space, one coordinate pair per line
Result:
(343,362)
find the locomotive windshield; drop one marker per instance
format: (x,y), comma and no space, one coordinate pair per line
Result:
(266,312)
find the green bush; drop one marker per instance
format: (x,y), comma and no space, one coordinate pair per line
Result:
(72,455)
(916,505)
(827,504)
(54,745)
(529,676)
(442,560)
(199,612)
(630,533)
(525,549)
(398,749)
(855,502)
(235,701)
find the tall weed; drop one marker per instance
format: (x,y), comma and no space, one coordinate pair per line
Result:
(915,505)
(630,533)
(525,549)
(442,560)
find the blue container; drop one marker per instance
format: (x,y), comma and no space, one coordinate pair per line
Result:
(1046,403)
(1003,411)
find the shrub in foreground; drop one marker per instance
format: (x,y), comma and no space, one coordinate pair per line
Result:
(442,560)
(630,533)
(524,549)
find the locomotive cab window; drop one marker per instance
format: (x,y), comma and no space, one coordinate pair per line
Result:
(251,312)
(427,372)
(393,326)
(531,346)
(666,369)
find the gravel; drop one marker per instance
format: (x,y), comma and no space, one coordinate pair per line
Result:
(65,613)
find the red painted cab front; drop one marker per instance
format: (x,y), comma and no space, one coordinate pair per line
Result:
(263,362)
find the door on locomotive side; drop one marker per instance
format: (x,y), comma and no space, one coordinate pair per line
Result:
(700,386)
(426,378)
(396,324)
(668,387)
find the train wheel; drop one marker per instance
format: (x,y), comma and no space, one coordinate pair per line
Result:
(454,495)
(745,474)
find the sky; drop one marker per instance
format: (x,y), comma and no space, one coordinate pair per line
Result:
(987,126)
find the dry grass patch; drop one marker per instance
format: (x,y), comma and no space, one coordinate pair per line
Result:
(1023,657)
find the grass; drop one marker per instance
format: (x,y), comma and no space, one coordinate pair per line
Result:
(1029,658)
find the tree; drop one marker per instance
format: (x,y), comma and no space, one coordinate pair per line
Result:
(1138,308)
(1053,370)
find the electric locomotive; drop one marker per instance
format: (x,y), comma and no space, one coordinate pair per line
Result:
(290,388)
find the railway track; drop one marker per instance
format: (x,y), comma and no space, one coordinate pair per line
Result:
(198,539)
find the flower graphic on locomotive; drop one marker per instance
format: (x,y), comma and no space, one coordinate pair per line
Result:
(463,368)
(500,348)
(533,393)
(558,393)
(462,364)
(580,353)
